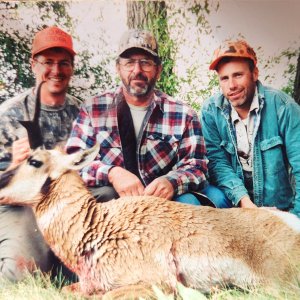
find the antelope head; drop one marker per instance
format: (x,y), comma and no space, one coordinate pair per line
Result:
(22,185)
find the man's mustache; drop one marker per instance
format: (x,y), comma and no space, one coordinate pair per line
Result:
(139,77)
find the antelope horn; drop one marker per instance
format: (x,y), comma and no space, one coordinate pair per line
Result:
(33,126)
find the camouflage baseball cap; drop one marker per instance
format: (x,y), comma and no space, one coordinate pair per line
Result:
(141,39)
(233,49)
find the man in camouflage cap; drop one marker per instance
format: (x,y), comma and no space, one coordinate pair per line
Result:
(252,134)
(52,63)
(150,144)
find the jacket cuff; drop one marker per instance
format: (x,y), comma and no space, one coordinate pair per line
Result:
(176,184)
(236,195)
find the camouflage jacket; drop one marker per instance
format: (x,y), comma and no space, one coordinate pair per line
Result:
(56,122)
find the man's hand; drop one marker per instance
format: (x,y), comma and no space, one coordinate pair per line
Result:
(125,183)
(246,202)
(20,151)
(160,187)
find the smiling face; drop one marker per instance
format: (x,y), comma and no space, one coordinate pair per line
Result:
(55,67)
(139,79)
(238,83)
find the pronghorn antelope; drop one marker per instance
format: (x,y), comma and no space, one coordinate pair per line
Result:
(148,240)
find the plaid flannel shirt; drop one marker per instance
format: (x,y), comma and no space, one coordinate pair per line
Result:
(170,143)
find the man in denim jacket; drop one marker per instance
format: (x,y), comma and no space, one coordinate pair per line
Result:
(252,134)
(150,144)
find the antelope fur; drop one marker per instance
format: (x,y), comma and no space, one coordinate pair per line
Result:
(146,239)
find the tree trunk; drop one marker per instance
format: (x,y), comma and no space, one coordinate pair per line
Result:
(297,82)
(152,16)
(140,14)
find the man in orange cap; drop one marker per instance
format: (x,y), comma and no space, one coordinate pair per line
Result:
(252,134)
(52,63)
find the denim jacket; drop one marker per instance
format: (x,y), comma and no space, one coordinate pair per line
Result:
(276,150)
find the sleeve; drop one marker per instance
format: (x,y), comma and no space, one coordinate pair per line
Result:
(83,137)
(5,149)
(220,166)
(10,130)
(289,120)
(190,171)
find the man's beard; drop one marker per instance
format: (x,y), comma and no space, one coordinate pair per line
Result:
(140,91)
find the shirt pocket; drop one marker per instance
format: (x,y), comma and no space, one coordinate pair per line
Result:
(230,153)
(110,147)
(272,155)
(160,152)
(228,147)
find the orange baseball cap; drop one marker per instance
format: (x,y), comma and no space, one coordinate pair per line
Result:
(52,37)
(233,49)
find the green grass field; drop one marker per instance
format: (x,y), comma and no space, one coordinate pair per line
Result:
(40,287)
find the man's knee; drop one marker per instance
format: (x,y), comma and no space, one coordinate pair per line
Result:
(217,197)
(22,246)
(187,198)
(104,193)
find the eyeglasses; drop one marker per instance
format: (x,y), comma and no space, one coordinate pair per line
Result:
(145,64)
(49,64)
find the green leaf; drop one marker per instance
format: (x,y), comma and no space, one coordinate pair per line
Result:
(188,293)
(160,295)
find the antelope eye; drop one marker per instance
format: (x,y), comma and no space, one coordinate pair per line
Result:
(35,163)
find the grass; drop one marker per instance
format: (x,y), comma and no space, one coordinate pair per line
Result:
(38,287)
(42,287)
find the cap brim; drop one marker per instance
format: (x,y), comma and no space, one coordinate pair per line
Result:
(139,47)
(214,64)
(72,52)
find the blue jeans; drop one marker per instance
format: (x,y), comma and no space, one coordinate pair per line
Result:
(215,195)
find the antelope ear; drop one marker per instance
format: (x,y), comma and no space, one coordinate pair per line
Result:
(81,159)
(32,126)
